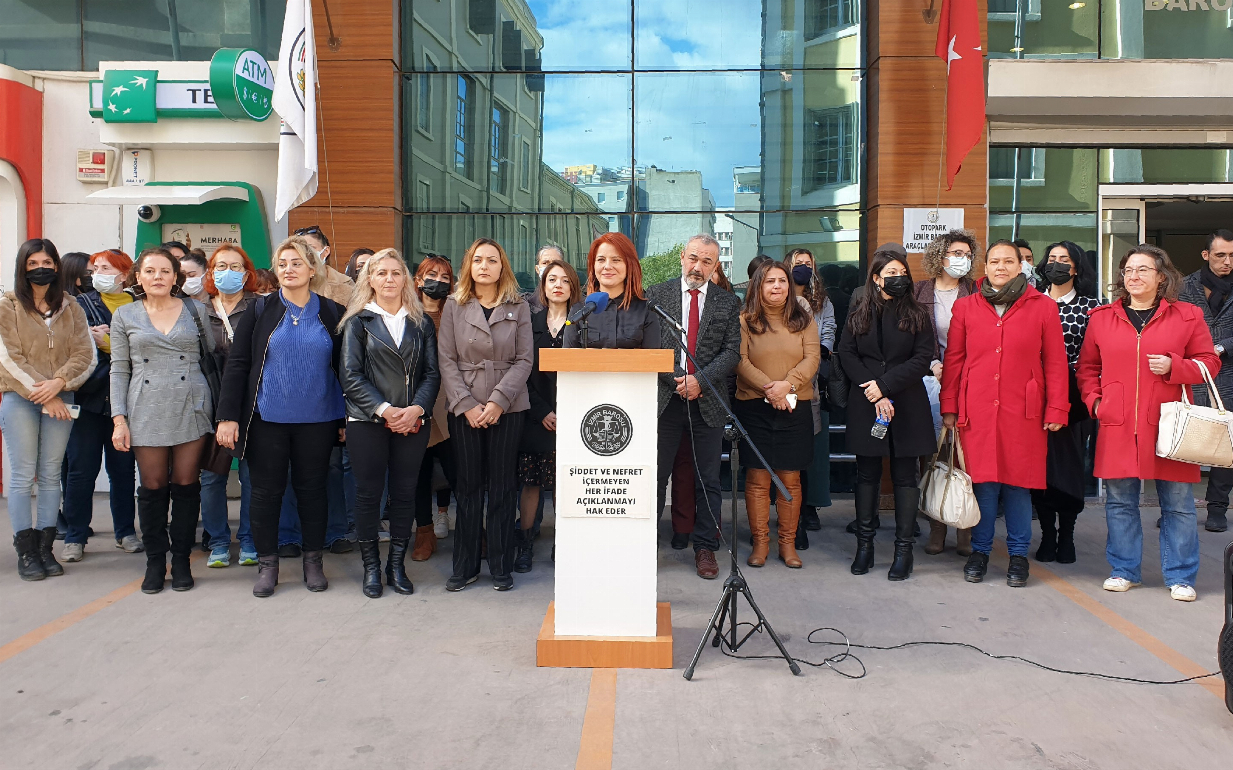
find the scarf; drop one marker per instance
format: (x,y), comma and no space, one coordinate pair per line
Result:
(1219,288)
(1010,291)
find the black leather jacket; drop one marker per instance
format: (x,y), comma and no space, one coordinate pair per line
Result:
(374,371)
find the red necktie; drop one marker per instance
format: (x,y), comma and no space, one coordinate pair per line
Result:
(692,330)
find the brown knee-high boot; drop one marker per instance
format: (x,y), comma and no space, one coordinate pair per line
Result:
(758,509)
(789,514)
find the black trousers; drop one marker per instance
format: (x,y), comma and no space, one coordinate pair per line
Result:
(306,447)
(444,454)
(379,454)
(680,417)
(1219,484)
(903,475)
(486,458)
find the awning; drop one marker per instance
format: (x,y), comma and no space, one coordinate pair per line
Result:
(168,195)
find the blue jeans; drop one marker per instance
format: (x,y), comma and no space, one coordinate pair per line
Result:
(214,508)
(341,504)
(1179,534)
(36,444)
(89,446)
(1017,503)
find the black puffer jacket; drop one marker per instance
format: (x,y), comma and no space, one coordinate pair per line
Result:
(375,371)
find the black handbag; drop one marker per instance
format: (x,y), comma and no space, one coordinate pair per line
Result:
(214,457)
(837,383)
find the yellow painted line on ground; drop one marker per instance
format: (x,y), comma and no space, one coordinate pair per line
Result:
(1179,662)
(64,622)
(599,722)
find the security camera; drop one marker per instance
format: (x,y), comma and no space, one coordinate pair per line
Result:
(148,212)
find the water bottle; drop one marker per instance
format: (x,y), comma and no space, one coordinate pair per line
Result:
(879,426)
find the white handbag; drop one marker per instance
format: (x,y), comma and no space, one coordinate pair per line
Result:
(1196,434)
(946,490)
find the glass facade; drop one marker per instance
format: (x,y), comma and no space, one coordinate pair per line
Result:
(78,34)
(1111,29)
(548,121)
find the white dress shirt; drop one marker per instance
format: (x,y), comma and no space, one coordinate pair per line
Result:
(396,325)
(685,300)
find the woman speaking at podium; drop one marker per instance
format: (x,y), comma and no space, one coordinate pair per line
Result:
(628,321)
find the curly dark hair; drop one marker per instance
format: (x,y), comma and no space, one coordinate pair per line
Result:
(934,260)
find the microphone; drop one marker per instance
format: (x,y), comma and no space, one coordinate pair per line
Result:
(664,314)
(595,303)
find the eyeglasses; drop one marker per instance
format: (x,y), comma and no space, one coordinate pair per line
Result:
(232,268)
(1137,272)
(310,230)
(959,254)
(1218,256)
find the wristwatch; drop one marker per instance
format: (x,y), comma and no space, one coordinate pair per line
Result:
(1219,350)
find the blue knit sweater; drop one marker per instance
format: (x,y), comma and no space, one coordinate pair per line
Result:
(298,383)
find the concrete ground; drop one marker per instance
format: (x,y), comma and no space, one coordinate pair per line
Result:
(94,674)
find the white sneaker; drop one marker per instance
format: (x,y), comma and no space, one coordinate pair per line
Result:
(1183,593)
(1118,584)
(441,525)
(73,552)
(130,544)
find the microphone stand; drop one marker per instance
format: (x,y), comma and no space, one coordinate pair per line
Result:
(723,621)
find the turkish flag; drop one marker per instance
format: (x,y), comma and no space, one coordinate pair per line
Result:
(959,46)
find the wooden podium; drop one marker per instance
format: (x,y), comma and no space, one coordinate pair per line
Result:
(606,613)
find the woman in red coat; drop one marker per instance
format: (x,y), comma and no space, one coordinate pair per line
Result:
(1004,383)
(1137,354)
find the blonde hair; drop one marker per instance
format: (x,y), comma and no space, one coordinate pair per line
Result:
(507,284)
(300,245)
(364,293)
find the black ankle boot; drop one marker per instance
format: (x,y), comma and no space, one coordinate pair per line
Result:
(866,513)
(901,568)
(395,569)
(181,573)
(1017,572)
(802,537)
(1048,536)
(370,553)
(526,553)
(156,573)
(809,517)
(1066,538)
(978,564)
(29,566)
(47,539)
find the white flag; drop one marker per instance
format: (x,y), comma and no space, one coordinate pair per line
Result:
(295,101)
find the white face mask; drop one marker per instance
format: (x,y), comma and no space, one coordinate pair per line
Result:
(539,271)
(1027,269)
(107,284)
(957,267)
(192,286)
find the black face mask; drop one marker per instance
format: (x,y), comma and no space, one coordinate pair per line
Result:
(1056,273)
(436,289)
(86,284)
(897,285)
(41,276)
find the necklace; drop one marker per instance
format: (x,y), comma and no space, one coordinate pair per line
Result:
(295,319)
(1139,314)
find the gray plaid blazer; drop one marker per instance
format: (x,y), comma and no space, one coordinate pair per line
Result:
(718,350)
(1221,326)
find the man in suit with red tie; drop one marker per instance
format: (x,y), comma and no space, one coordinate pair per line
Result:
(711,318)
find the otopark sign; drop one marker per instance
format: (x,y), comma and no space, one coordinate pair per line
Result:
(241,87)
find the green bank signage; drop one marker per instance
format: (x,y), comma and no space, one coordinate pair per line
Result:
(241,87)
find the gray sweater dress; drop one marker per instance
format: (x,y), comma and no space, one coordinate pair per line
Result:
(156,379)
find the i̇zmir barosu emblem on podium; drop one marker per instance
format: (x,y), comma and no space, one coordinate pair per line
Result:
(607,430)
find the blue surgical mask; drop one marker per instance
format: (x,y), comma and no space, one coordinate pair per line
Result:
(229,281)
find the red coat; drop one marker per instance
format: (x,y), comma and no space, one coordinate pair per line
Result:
(1005,378)
(1113,368)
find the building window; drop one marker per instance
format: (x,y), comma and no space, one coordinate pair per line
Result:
(620,195)
(600,197)
(1008,10)
(524,168)
(464,125)
(427,224)
(423,108)
(1031,166)
(822,16)
(498,153)
(830,147)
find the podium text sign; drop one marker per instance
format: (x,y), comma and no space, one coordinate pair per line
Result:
(605,612)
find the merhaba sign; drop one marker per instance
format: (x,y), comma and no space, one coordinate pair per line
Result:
(241,87)
(205,236)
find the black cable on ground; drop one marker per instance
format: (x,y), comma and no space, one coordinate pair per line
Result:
(846,654)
